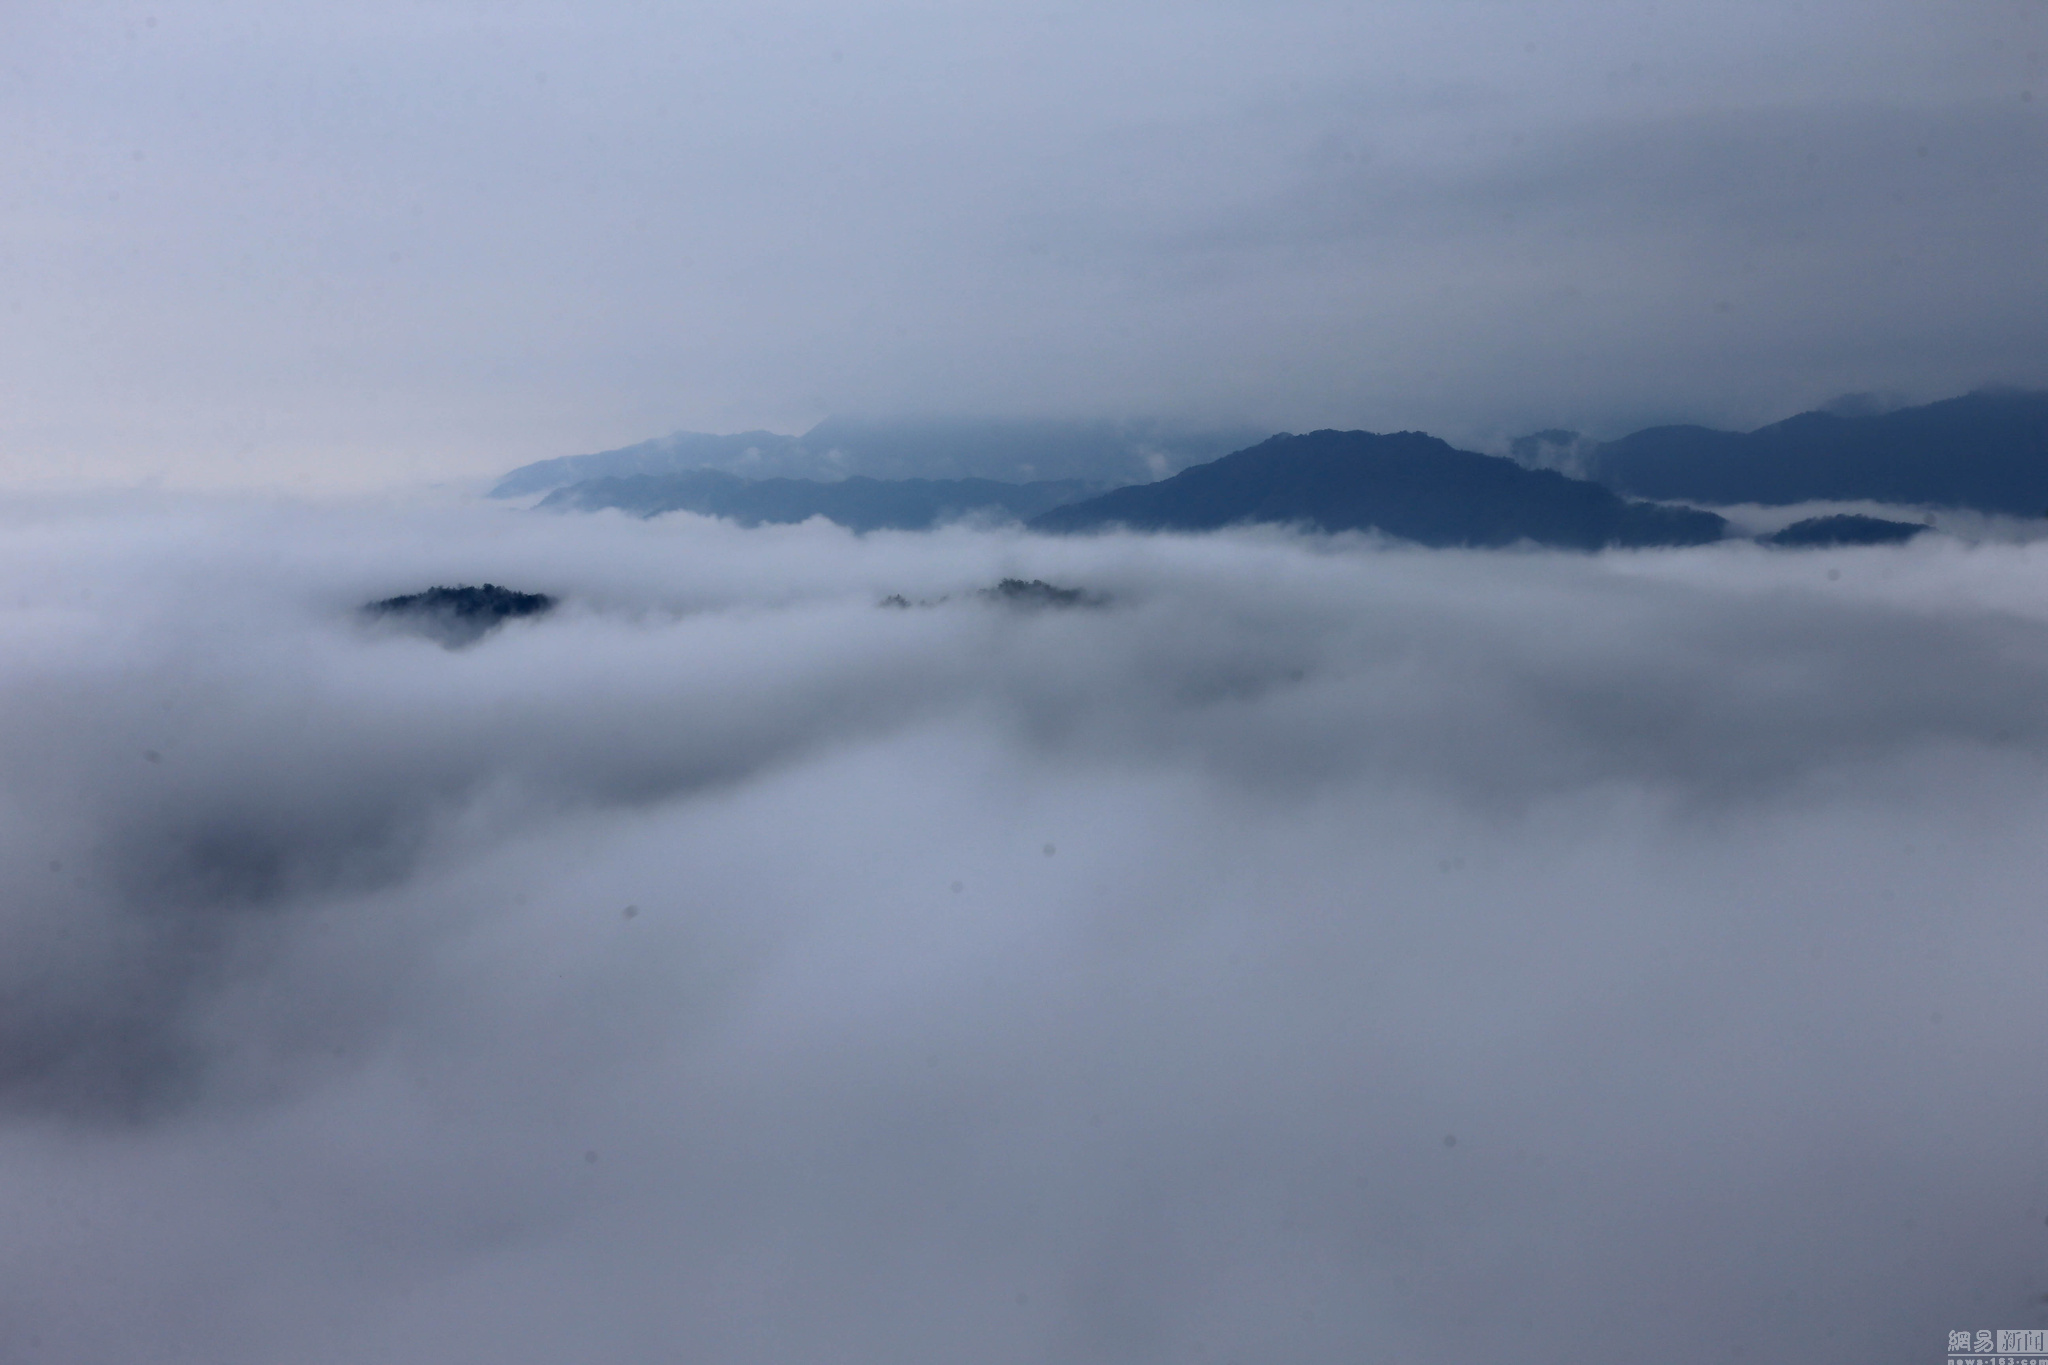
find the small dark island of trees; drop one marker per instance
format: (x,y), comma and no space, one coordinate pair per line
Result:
(462,615)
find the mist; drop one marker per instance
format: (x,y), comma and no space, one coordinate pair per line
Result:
(1320,950)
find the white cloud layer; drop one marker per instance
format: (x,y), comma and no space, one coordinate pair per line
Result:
(1323,952)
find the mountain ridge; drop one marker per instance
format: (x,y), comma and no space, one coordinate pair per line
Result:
(999,449)
(859,503)
(1406,484)
(1986,450)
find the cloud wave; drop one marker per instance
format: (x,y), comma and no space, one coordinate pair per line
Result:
(1324,951)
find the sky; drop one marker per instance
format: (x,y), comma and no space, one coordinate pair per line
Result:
(1323,950)
(343,247)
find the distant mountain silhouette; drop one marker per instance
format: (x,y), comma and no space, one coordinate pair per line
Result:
(1026,593)
(1407,485)
(664,455)
(1036,592)
(1005,450)
(460,616)
(1987,451)
(860,503)
(1845,529)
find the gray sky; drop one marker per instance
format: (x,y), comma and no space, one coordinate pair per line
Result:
(358,243)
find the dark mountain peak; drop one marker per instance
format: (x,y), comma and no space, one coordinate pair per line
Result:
(460,616)
(1333,438)
(1027,593)
(1406,484)
(1986,450)
(1843,529)
(1036,592)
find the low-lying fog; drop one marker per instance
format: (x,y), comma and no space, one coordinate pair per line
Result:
(1322,952)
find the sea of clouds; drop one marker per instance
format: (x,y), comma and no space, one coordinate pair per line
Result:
(1324,951)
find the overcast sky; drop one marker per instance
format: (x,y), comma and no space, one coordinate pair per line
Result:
(346,244)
